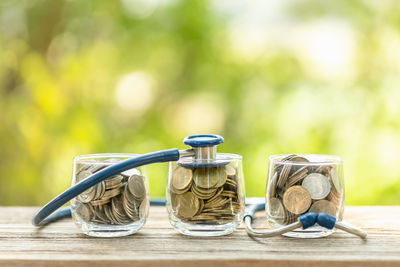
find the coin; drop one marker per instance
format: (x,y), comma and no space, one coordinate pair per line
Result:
(100,190)
(100,202)
(113,182)
(87,195)
(181,178)
(297,176)
(130,205)
(201,194)
(222,176)
(318,185)
(111,193)
(100,215)
(187,205)
(230,171)
(206,177)
(118,209)
(96,167)
(323,206)
(284,175)
(335,179)
(272,185)
(136,186)
(297,199)
(213,194)
(296,158)
(106,204)
(144,208)
(85,212)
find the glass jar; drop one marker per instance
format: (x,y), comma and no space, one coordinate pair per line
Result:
(118,206)
(206,198)
(303,183)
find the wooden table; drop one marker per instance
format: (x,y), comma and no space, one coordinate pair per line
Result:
(62,244)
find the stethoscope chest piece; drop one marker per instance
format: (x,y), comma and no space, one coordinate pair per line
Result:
(205,152)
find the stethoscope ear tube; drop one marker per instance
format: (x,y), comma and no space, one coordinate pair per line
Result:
(70,193)
(305,221)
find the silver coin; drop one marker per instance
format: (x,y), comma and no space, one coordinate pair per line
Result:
(144,208)
(317,185)
(89,194)
(111,193)
(85,212)
(335,180)
(136,186)
(100,215)
(96,167)
(130,205)
(113,182)
(83,175)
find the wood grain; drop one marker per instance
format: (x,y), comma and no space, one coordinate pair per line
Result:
(61,244)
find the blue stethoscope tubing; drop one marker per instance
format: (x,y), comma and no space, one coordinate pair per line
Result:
(70,193)
(47,213)
(304,221)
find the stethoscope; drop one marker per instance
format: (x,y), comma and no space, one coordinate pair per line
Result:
(202,149)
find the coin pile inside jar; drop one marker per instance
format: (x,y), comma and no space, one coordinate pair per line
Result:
(295,189)
(121,199)
(205,195)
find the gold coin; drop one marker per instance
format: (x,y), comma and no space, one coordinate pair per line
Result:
(297,199)
(201,206)
(181,178)
(187,205)
(206,177)
(222,175)
(220,190)
(230,171)
(202,195)
(323,206)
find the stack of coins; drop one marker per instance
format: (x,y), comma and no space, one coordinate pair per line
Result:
(205,195)
(121,199)
(296,188)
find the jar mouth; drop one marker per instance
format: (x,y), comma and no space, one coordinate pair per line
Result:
(101,158)
(219,157)
(314,159)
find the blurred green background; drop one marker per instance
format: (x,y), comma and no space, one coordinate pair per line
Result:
(136,76)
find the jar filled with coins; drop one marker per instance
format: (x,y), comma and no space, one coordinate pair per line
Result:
(117,206)
(206,197)
(303,183)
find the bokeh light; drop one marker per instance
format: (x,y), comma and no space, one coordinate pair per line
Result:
(272,77)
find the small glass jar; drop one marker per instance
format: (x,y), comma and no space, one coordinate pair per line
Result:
(118,206)
(206,199)
(303,183)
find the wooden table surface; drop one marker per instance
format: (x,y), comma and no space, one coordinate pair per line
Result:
(62,244)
